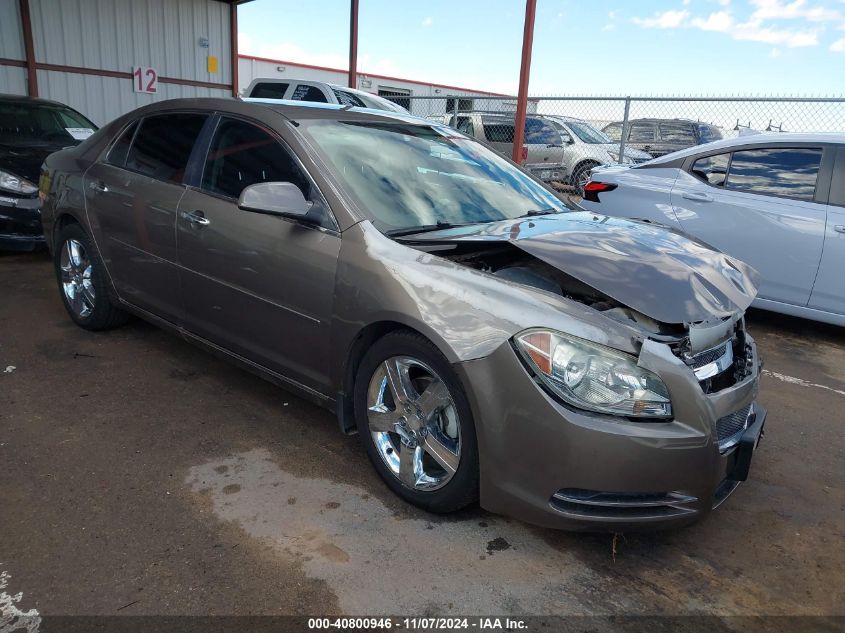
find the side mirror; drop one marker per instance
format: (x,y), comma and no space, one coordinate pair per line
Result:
(565,138)
(275,198)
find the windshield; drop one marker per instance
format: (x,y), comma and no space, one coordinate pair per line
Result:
(405,175)
(588,133)
(42,124)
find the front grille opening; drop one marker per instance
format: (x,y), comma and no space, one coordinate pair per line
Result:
(736,350)
(729,428)
(622,505)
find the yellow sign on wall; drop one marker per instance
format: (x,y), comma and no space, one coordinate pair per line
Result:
(212,64)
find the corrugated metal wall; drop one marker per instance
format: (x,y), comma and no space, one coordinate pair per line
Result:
(117,35)
(12,78)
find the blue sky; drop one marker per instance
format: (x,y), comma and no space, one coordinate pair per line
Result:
(667,47)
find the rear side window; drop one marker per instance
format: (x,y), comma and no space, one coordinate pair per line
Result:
(783,171)
(497,131)
(242,154)
(304,92)
(269,90)
(707,133)
(641,133)
(117,154)
(677,133)
(163,145)
(538,132)
(711,169)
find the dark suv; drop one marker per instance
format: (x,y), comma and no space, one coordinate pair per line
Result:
(662,136)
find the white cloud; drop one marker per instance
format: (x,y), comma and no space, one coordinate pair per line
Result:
(796,10)
(719,21)
(666,20)
(724,3)
(428,21)
(608,27)
(838,46)
(611,15)
(775,52)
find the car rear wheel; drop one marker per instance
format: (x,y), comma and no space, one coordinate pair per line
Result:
(581,176)
(82,282)
(415,423)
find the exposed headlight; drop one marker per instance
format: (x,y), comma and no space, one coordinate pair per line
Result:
(593,377)
(16,184)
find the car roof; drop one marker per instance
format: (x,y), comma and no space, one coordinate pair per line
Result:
(291,110)
(25,100)
(777,138)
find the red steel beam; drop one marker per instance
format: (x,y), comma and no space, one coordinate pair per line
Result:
(353,44)
(524,72)
(233,45)
(29,48)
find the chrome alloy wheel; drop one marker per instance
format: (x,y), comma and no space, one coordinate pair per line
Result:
(414,423)
(76,278)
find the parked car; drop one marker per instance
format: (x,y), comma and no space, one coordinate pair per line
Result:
(776,201)
(542,146)
(662,136)
(585,147)
(574,370)
(30,130)
(317,92)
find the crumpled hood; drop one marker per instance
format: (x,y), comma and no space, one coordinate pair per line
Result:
(657,271)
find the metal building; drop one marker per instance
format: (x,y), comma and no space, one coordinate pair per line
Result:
(107,57)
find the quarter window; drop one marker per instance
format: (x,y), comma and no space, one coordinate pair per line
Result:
(118,152)
(163,145)
(711,169)
(782,171)
(348,99)
(242,154)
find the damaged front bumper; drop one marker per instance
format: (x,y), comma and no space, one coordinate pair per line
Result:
(554,466)
(20,223)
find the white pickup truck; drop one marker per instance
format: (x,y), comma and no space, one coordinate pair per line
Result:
(317,91)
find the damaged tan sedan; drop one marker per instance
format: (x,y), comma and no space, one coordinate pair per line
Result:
(486,341)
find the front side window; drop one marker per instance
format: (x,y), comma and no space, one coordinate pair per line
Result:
(677,133)
(789,172)
(538,132)
(269,90)
(465,126)
(641,133)
(242,154)
(163,145)
(614,131)
(711,169)
(707,133)
(407,175)
(588,134)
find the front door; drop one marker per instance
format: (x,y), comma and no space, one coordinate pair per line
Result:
(758,206)
(259,285)
(132,198)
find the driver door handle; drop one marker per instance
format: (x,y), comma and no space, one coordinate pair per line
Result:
(196,217)
(839,228)
(698,197)
(98,186)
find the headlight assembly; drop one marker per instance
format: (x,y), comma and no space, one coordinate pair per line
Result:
(16,184)
(593,377)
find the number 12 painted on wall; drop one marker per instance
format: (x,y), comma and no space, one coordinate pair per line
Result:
(144,79)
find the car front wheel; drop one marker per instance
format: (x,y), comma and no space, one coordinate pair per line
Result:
(415,422)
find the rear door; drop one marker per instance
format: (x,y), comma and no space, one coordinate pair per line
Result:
(829,290)
(545,147)
(258,285)
(132,198)
(759,205)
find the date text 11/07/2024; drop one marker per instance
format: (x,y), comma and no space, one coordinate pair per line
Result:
(418,624)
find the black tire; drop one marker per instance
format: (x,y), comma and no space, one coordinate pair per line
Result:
(462,489)
(104,315)
(580,171)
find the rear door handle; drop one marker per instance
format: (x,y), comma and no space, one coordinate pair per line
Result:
(98,186)
(698,197)
(196,217)
(839,228)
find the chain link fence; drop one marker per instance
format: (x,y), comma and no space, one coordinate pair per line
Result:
(565,137)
